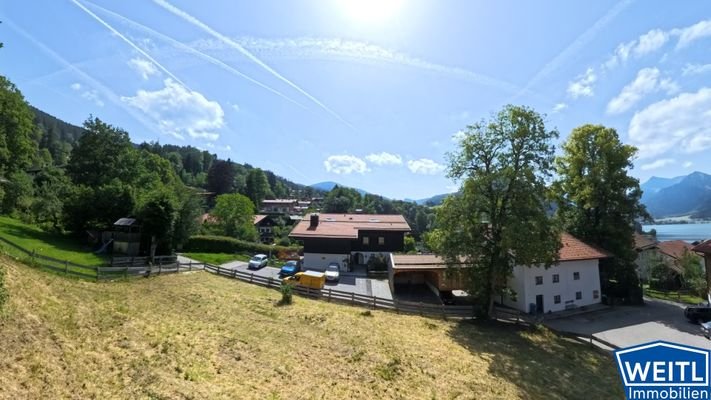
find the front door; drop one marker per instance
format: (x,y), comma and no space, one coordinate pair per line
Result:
(539,303)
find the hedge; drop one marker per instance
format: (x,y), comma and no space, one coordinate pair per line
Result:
(224,244)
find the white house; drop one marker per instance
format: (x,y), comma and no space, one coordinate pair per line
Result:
(573,282)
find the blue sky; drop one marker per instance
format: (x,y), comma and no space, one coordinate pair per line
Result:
(368,93)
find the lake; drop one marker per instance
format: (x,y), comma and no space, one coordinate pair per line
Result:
(686,232)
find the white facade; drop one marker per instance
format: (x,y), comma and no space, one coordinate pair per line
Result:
(319,261)
(531,282)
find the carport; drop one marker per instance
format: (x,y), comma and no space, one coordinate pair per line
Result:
(416,277)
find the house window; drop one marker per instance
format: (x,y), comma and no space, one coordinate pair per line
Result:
(556,299)
(381,240)
(576,276)
(539,280)
(556,278)
(366,240)
(578,295)
(596,294)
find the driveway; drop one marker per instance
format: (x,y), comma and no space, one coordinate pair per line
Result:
(630,325)
(347,283)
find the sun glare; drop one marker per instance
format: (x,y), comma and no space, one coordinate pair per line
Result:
(371,11)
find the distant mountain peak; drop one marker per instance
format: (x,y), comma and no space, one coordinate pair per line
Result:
(679,196)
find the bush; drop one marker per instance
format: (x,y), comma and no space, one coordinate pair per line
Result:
(3,290)
(224,244)
(287,294)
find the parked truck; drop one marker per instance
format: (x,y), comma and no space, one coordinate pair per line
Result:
(311,279)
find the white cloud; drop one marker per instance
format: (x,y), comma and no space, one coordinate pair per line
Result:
(384,158)
(682,122)
(424,166)
(93,96)
(688,164)
(582,86)
(559,107)
(144,67)
(696,69)
(179,111)
(663,162)
(692,33)
(655,39)
(647,81)
(75,86)
(458,136)
(345,164)
(235,107)
(650,42)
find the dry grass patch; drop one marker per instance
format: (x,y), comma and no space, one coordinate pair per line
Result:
(198,336)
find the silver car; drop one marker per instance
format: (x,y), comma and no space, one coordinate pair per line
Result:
(706,329)
(332,272)
(258,261)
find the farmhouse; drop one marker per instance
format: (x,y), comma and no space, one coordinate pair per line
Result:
(265,226)
(647,255)
(704,248)
(349,239)
(573,282)
(279,206)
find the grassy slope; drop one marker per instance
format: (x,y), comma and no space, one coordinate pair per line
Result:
(52,245)
(673,296)
(200,336)
(217,258)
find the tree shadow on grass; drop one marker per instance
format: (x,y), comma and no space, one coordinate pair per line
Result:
(541,364)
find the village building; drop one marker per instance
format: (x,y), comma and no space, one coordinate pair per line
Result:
(574,281)
(349,240)
(279,206)
(647,255)
(265,226)
(704,249)
(126,237)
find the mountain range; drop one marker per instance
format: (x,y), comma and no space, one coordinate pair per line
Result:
(688,195)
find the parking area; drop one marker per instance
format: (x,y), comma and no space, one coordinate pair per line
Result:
(350,283)
(630,325)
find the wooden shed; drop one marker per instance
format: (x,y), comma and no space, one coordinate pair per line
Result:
(127,237)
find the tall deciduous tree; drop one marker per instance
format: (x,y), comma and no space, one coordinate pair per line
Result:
(235,216)
(102,154)
(17,129)
(500,219)
(598,201)
(257,186)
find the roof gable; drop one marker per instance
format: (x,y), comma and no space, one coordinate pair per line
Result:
(346,226)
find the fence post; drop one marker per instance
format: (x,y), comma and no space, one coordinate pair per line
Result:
(160,266)
(190,265)
(444,313)
(352,298)
(420,308)
(329,295)
(234,273)
(66,267)
(125,272)
(374,303)
(251,277)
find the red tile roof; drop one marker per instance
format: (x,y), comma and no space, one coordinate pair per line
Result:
(573,249)
(642,242)
(346,226)
(703,247)
(674,248)
(258,218)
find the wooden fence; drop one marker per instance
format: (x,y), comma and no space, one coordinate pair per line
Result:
(356,299)
(117,267)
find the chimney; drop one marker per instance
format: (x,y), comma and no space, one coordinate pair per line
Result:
(314,221)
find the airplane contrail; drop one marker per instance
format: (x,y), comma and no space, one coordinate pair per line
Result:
(108,93)
(193,51)
(125,39)
(194,21)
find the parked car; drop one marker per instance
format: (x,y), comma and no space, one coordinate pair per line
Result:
(311,279)
(701,313)
(258,261)
(706,329)
(333,273)
(290,268)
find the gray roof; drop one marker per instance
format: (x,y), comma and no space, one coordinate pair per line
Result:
(125,222)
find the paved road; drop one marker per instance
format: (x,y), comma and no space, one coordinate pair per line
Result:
(627,325)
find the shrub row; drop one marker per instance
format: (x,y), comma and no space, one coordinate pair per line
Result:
(224,244)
